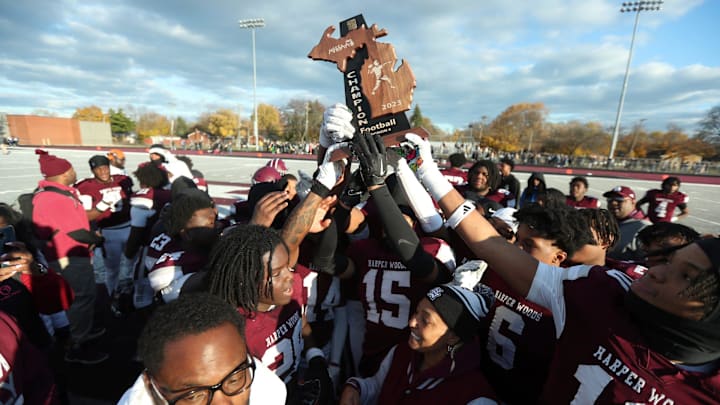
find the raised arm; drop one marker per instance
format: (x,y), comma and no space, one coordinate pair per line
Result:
(312,210)
(515,266)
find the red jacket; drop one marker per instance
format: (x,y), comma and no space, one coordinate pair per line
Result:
(54,215)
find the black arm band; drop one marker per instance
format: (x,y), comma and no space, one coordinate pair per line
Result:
(341,264)
(319,189)
(397,229)
(324,258)
(341,216)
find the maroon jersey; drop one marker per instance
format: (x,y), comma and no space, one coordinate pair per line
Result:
(631,269)
(456,177)
(145,207)
(662,206)
(322,294)
(275,337)
(586,202)
(388,294)
(174,266)
(24,373)
(500,196)
(518,340)
(118,188)
(445,383)
(601,356)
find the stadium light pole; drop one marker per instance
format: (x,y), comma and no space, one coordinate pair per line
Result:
(252,24)
(627,7)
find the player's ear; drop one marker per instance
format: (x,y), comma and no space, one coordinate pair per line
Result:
(559,257)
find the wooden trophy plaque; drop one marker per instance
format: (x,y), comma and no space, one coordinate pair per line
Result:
(377,93)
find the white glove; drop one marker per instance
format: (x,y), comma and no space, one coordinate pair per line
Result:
(337,125)
(674,219)
(427,170)
(330,172)
(425,162)
(469,274)
(109,200)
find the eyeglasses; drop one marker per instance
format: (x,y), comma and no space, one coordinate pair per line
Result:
(233,384)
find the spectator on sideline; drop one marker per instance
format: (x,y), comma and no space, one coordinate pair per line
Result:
(509,182)
(621,203)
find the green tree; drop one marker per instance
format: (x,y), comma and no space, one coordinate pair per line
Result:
(91,113)
(301,120)
(119,122)
(181,127)
(416,118)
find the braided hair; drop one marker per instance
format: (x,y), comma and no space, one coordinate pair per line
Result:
(604,224)
(237,265)
(706,289)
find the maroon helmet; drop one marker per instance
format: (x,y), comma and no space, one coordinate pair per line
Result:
(278,165)
(266,174)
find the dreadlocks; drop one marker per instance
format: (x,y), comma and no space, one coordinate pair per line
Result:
(183,208)
(604,224)
(237,265)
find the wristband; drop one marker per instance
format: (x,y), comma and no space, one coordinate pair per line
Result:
(319,189)
(312,353)
(460,213)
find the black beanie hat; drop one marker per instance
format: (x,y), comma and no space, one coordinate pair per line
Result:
(98,160)
(460,308)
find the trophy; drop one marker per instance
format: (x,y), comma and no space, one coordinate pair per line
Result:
(377,93)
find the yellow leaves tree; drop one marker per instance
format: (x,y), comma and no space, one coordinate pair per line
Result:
(519,127)
(269,124)
(91,113)
(223,123)
(152,124)
(576,138)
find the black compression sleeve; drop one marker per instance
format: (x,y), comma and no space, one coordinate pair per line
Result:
(324,258)
(403,239)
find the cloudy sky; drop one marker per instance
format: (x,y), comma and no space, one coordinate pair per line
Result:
(470,58)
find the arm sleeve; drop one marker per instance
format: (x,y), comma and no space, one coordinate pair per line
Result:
(403,239)
(326,244)
(420,201)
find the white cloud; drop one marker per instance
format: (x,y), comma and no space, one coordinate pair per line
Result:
(470,58)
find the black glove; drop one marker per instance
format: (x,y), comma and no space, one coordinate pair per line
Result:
(317,374)
(370,151)
(355,191)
